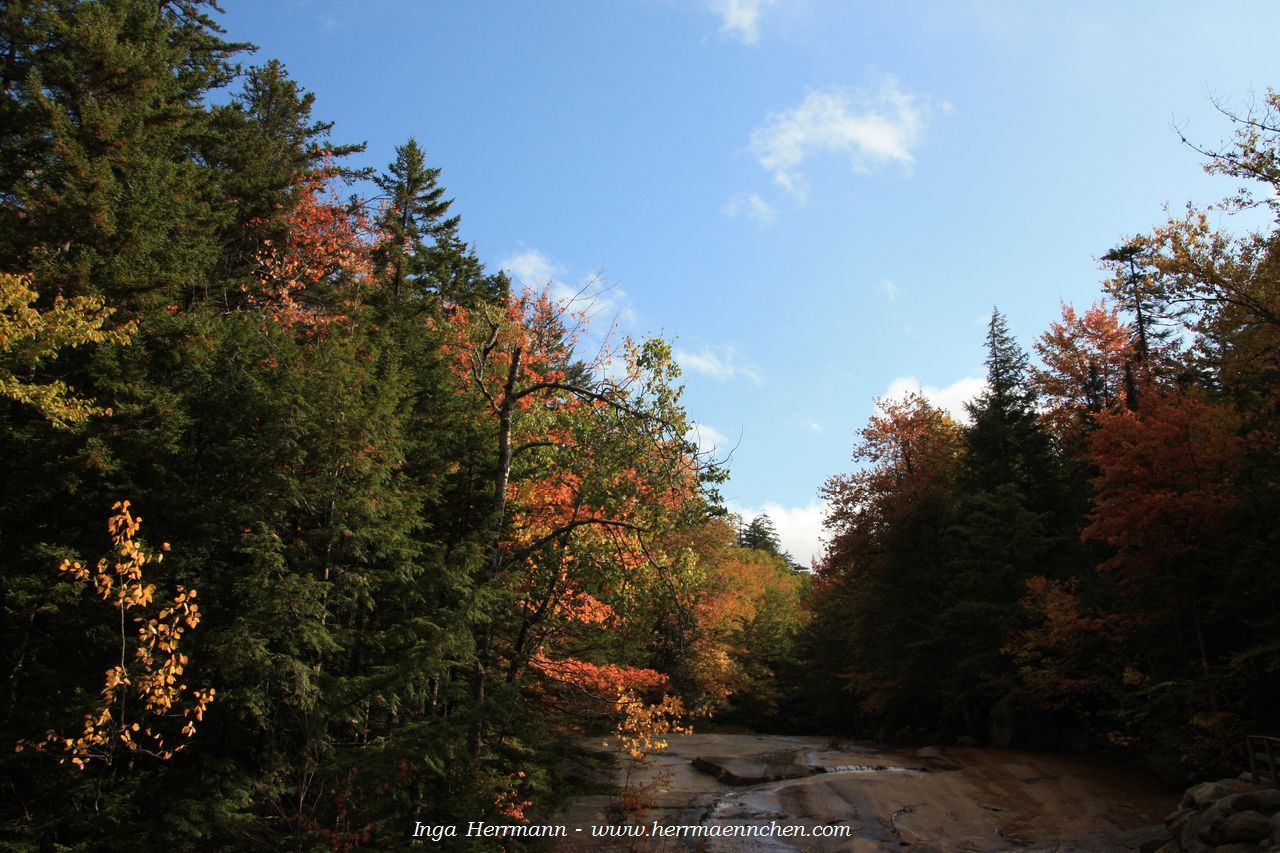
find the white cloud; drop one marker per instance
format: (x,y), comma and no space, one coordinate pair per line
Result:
(950,398)
(534,268)
(888,289)
(751,206)
(708,439)
(799,527)
(740,19)
(869,129)
(595,299)
(530,267)
(722,364)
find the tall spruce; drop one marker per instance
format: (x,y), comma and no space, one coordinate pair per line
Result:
(413,221)
(103,108)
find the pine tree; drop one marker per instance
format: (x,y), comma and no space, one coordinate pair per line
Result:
(414,220)
(1006,442)
(760,535)
(1013,520)
(103,108)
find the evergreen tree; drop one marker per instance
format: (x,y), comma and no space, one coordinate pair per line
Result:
(760,535)
(263,147)
(1006,441)
(103,108)
(1010,524)
(413,221)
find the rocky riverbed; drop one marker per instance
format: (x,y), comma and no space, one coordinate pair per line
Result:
(928,799)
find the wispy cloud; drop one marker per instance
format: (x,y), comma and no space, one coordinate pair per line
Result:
(751,206)
(740,19)
(887,289)
(708,438)
(799,527)
(869,129)
(950,398)
(720,363)
(596,299)
(530,267)
(589,294)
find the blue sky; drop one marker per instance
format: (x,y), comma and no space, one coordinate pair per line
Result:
(818,202)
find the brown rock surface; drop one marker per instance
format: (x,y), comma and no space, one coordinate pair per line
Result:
(932,799)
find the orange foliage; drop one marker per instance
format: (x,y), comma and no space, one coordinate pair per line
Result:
(909,447)
(581,607)
(508,802)
(641,727)
(1058,656)
(485,342)
(322,251)
(155,676)
(1084,359)
(605,681)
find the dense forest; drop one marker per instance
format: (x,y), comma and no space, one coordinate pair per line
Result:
(310,525)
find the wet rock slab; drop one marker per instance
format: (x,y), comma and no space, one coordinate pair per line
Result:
(931,799)
(755,770)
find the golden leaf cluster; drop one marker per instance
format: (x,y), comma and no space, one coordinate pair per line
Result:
(641,727)
(150,685)
(30,336)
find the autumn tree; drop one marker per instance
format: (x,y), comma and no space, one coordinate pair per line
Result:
(1086,360)
(30,338)
(585,470)
(152,677)
(1164,491)
(883,576)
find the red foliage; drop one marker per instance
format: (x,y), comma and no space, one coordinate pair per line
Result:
(909,447)
(605,681)
(1165,481)
(301,278)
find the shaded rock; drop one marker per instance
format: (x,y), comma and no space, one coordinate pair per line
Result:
(1145,839)
(1266,801)
(1176,821)
(1248,827)
(1237,848)
(1207,793)
(751,771)
(965,740)
(1195,833)
(935,759)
